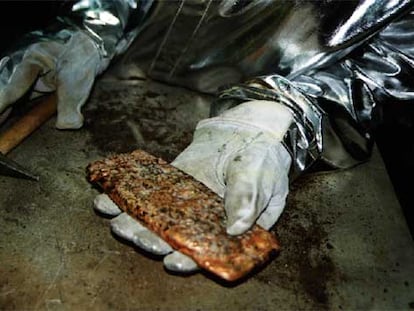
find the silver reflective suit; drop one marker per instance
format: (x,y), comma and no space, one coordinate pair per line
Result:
(334,64)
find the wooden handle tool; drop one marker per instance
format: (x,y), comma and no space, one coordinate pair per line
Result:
(40,113)
(32,120)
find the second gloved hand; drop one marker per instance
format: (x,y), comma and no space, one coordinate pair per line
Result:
(67,63)
(239,156)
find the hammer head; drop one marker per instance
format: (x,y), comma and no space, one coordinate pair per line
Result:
(11,168)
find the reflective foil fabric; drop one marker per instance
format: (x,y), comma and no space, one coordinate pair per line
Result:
(334,64)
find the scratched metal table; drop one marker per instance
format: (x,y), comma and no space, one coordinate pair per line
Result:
(345,241)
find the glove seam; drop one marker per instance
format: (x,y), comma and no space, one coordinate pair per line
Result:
(227,121)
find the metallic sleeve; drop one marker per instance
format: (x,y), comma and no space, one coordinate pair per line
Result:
(337,106)
(112,25)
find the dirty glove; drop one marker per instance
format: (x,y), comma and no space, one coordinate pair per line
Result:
(67,64)
(239,156)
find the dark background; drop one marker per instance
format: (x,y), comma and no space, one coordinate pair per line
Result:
(395,140)
(395,137)
(20,17)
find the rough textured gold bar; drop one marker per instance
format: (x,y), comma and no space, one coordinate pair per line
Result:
(182,211)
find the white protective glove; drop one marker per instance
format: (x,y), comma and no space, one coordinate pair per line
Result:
(67,65)
(239,156)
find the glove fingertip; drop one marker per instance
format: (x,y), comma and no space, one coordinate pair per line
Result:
(151,243)
(241,213)
(103,204)
(178,262)
(72,121)
(238,227)
(123,227)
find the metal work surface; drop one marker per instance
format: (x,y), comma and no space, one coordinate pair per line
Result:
(345,244)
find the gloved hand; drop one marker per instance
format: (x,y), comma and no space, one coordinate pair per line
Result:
(239,156)
(67,64)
